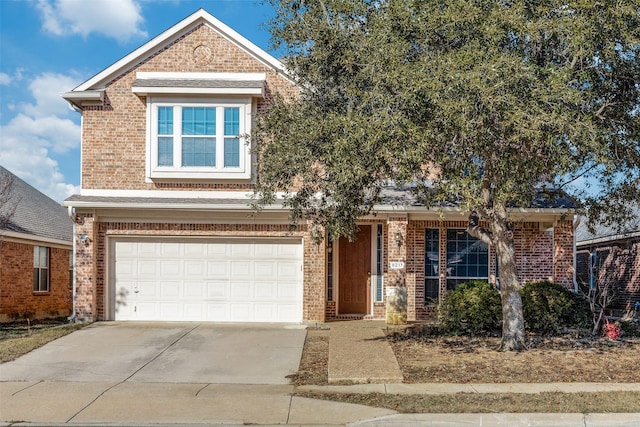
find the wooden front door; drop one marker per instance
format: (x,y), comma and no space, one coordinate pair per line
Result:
(354,270)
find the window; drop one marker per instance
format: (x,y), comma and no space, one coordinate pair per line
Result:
(40,269)
(198,139)
(431,265)
(467,258)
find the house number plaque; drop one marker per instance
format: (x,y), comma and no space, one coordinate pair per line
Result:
(396,265)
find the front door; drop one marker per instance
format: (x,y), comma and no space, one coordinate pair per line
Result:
(354,267)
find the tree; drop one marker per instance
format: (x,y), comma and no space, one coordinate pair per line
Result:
(488,103)
(8,200)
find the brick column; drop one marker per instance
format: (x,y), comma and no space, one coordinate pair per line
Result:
(398,243)
(315,264)
(85,268)
(563,253)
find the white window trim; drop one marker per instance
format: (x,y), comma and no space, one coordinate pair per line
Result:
(154,171)
(42,269)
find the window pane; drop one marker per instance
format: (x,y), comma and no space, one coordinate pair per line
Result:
(165,120)
(232,121)
(198,152)
(198,121)
(467,258)
(431,252)
(165,151)
(431,290)
(231,152)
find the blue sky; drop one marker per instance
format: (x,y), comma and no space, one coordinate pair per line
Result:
(50,46)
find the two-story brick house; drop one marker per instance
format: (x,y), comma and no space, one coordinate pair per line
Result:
(167,176)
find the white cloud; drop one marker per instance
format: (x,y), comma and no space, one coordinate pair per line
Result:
(38,169)
(46,89)
(38,133)
(118,19)
(5,79)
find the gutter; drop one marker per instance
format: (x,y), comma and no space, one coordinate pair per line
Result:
(72,215)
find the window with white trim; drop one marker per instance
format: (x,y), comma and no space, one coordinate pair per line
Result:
(40,269)
(198,138)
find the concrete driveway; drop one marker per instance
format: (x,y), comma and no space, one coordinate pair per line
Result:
(166,353)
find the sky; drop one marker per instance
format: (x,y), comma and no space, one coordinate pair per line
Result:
(48,47)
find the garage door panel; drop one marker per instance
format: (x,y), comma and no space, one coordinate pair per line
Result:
(241,290)
(145,267)
(287,291)
(264,269)
(241,269)
(264,312)
(219,269)
(217,312)
(240,249)
(217,290)
(240,312)
(170,267)
(194,289)
(253,280)
(288,270)
(194,311)
(169,289)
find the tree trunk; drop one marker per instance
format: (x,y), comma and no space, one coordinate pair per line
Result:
(513,333)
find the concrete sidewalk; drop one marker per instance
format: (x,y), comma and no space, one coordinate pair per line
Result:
(136,403)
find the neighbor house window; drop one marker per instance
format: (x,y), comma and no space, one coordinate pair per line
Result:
(40,269)
(199,139)
(431,265)
(467,258)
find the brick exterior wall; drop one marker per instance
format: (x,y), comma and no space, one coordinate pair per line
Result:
(17,298)
(114,135)
(618,263)
(91,271)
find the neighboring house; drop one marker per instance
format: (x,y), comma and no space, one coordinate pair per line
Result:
(35,253)
(611,258)
(167,176)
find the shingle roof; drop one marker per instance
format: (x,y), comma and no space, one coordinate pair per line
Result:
(609,232)
(35,213)
(403,196)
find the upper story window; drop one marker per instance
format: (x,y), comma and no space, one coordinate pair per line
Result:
(197,123)
(203,139)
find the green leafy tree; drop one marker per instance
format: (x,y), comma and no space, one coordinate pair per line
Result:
(486,103)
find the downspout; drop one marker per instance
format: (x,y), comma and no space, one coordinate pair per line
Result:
(72,215)
(576,223)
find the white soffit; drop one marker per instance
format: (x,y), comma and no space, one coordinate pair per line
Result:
(199,83)
(200,16)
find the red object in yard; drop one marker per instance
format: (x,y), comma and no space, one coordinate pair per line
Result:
(612,330)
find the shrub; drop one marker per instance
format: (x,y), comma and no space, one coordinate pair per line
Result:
(472,308)
(629,327)
(550,308)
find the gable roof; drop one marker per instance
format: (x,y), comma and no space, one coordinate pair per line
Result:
(156,44)
(34,213)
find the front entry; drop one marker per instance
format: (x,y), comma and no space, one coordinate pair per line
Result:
(354,271)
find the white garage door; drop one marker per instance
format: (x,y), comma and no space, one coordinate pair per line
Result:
(257,280)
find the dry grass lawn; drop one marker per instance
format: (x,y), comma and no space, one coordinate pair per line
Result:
(14,342)
(423,358)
